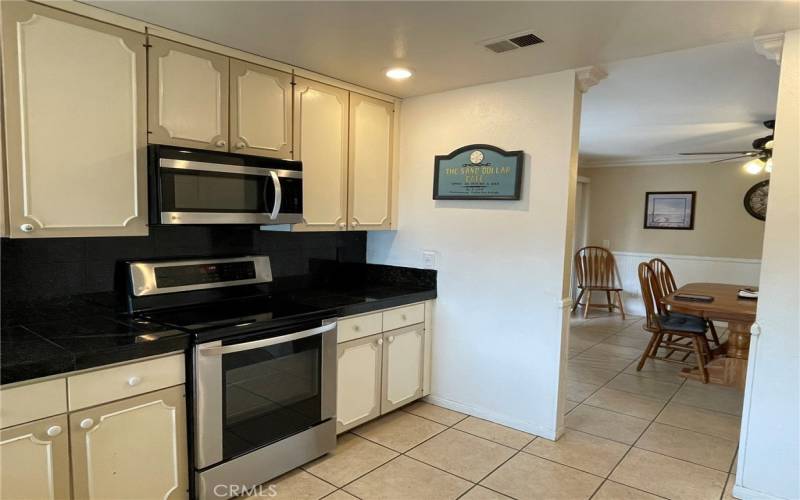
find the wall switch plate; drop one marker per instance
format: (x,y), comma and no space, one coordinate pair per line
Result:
(428,259)
(606,244)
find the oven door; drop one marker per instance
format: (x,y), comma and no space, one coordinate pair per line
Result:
(194,192)
(255,391)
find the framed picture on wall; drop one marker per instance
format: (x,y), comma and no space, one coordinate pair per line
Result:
(669,209)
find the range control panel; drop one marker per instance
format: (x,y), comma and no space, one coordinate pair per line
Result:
(204,273)
(157,277)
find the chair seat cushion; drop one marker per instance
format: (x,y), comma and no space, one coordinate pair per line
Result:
(678,322)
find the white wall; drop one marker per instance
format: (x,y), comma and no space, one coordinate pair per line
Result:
(499,317)
(686,268)
(769,453)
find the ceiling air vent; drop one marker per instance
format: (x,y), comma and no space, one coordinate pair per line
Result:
(511,42)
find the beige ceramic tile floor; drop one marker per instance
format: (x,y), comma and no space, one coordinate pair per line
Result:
(629,435)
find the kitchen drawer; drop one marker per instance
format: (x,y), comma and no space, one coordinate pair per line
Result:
(359,326)
(94,388)
(32,402)
(403,316)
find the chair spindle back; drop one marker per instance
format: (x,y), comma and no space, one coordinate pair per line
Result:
(651,295)
(664,276)
(595,267)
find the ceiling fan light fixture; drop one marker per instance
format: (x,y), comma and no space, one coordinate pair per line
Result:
(398,73)
(754,166)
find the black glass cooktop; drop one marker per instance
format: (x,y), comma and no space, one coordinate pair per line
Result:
(241,312)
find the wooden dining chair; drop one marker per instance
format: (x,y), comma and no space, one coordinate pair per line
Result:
(673,332)
(596,271)
(666,281)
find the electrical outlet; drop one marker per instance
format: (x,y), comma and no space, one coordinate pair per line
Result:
(428,259)
(606,244)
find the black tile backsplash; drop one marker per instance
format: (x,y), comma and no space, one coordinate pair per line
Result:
(60,267)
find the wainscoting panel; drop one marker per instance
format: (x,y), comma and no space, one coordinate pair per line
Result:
(687,269)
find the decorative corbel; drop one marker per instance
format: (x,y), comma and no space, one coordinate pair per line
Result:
(770,46)
(589,76)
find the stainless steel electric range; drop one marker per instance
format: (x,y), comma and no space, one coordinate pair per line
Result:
(262,370)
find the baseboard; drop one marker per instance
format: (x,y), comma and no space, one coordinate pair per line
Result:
(743,493)
(498,418)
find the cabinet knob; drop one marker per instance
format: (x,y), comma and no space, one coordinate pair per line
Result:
(356,328)
(391,339)
(354,223)
(404,317)
(342,225)
(134,381)
(87,423)
(221,143)
(240,145)
(380,341)
(54,431)
(26,228)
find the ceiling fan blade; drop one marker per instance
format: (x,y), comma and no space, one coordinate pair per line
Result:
(746,153)
(731,158)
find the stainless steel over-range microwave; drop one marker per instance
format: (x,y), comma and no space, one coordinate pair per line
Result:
(193,186)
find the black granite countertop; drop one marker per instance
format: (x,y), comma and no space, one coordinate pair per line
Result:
(75,333)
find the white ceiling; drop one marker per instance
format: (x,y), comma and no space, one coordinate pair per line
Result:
(355,41)
(711,98)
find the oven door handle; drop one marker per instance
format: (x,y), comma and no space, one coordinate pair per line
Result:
(276,207)
(257,344)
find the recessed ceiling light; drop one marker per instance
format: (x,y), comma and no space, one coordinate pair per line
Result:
(399,73)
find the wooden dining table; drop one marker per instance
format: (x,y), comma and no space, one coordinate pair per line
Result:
(729,366)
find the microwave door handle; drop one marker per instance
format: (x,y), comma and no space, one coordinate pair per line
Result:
(257,344)
(276,207)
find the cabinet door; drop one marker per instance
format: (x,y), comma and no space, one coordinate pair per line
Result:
(75,125)
(358,390)
(320,142)
(261,110)
(403,355)
(370,166)
(134,448)
(188,96)
(35,460)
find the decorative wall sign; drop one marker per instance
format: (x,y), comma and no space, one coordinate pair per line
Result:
(478,172)
(755,200)
(669,210)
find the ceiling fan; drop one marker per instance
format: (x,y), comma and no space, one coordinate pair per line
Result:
(761,153)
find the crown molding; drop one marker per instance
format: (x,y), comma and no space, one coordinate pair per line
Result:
(589,76)
(770,46)
(648,161)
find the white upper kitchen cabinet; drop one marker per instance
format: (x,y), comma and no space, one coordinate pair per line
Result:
(370,165)
(260,110)
(188,92)
(75,119)
(320,142)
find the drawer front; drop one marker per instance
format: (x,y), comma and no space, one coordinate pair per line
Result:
(403,316)
(359,326)
(94,388)
(32,402)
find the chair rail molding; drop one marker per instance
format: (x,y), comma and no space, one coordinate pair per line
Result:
(770,46)
(589,76)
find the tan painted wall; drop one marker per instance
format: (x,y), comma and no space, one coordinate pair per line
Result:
(722,227)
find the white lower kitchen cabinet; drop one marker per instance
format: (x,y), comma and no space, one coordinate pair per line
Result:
(35,458)
(403,358)
(380,372)
(358,392)
(133,448)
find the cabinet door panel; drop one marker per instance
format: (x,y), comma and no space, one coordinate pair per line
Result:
(320,137)
(261,110)
(188,96)
(371,131)
(403,355)
(75,125)
(134,448)
(35,460)
(358,390)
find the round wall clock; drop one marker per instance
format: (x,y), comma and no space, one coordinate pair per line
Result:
(476,157)
(755,200)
